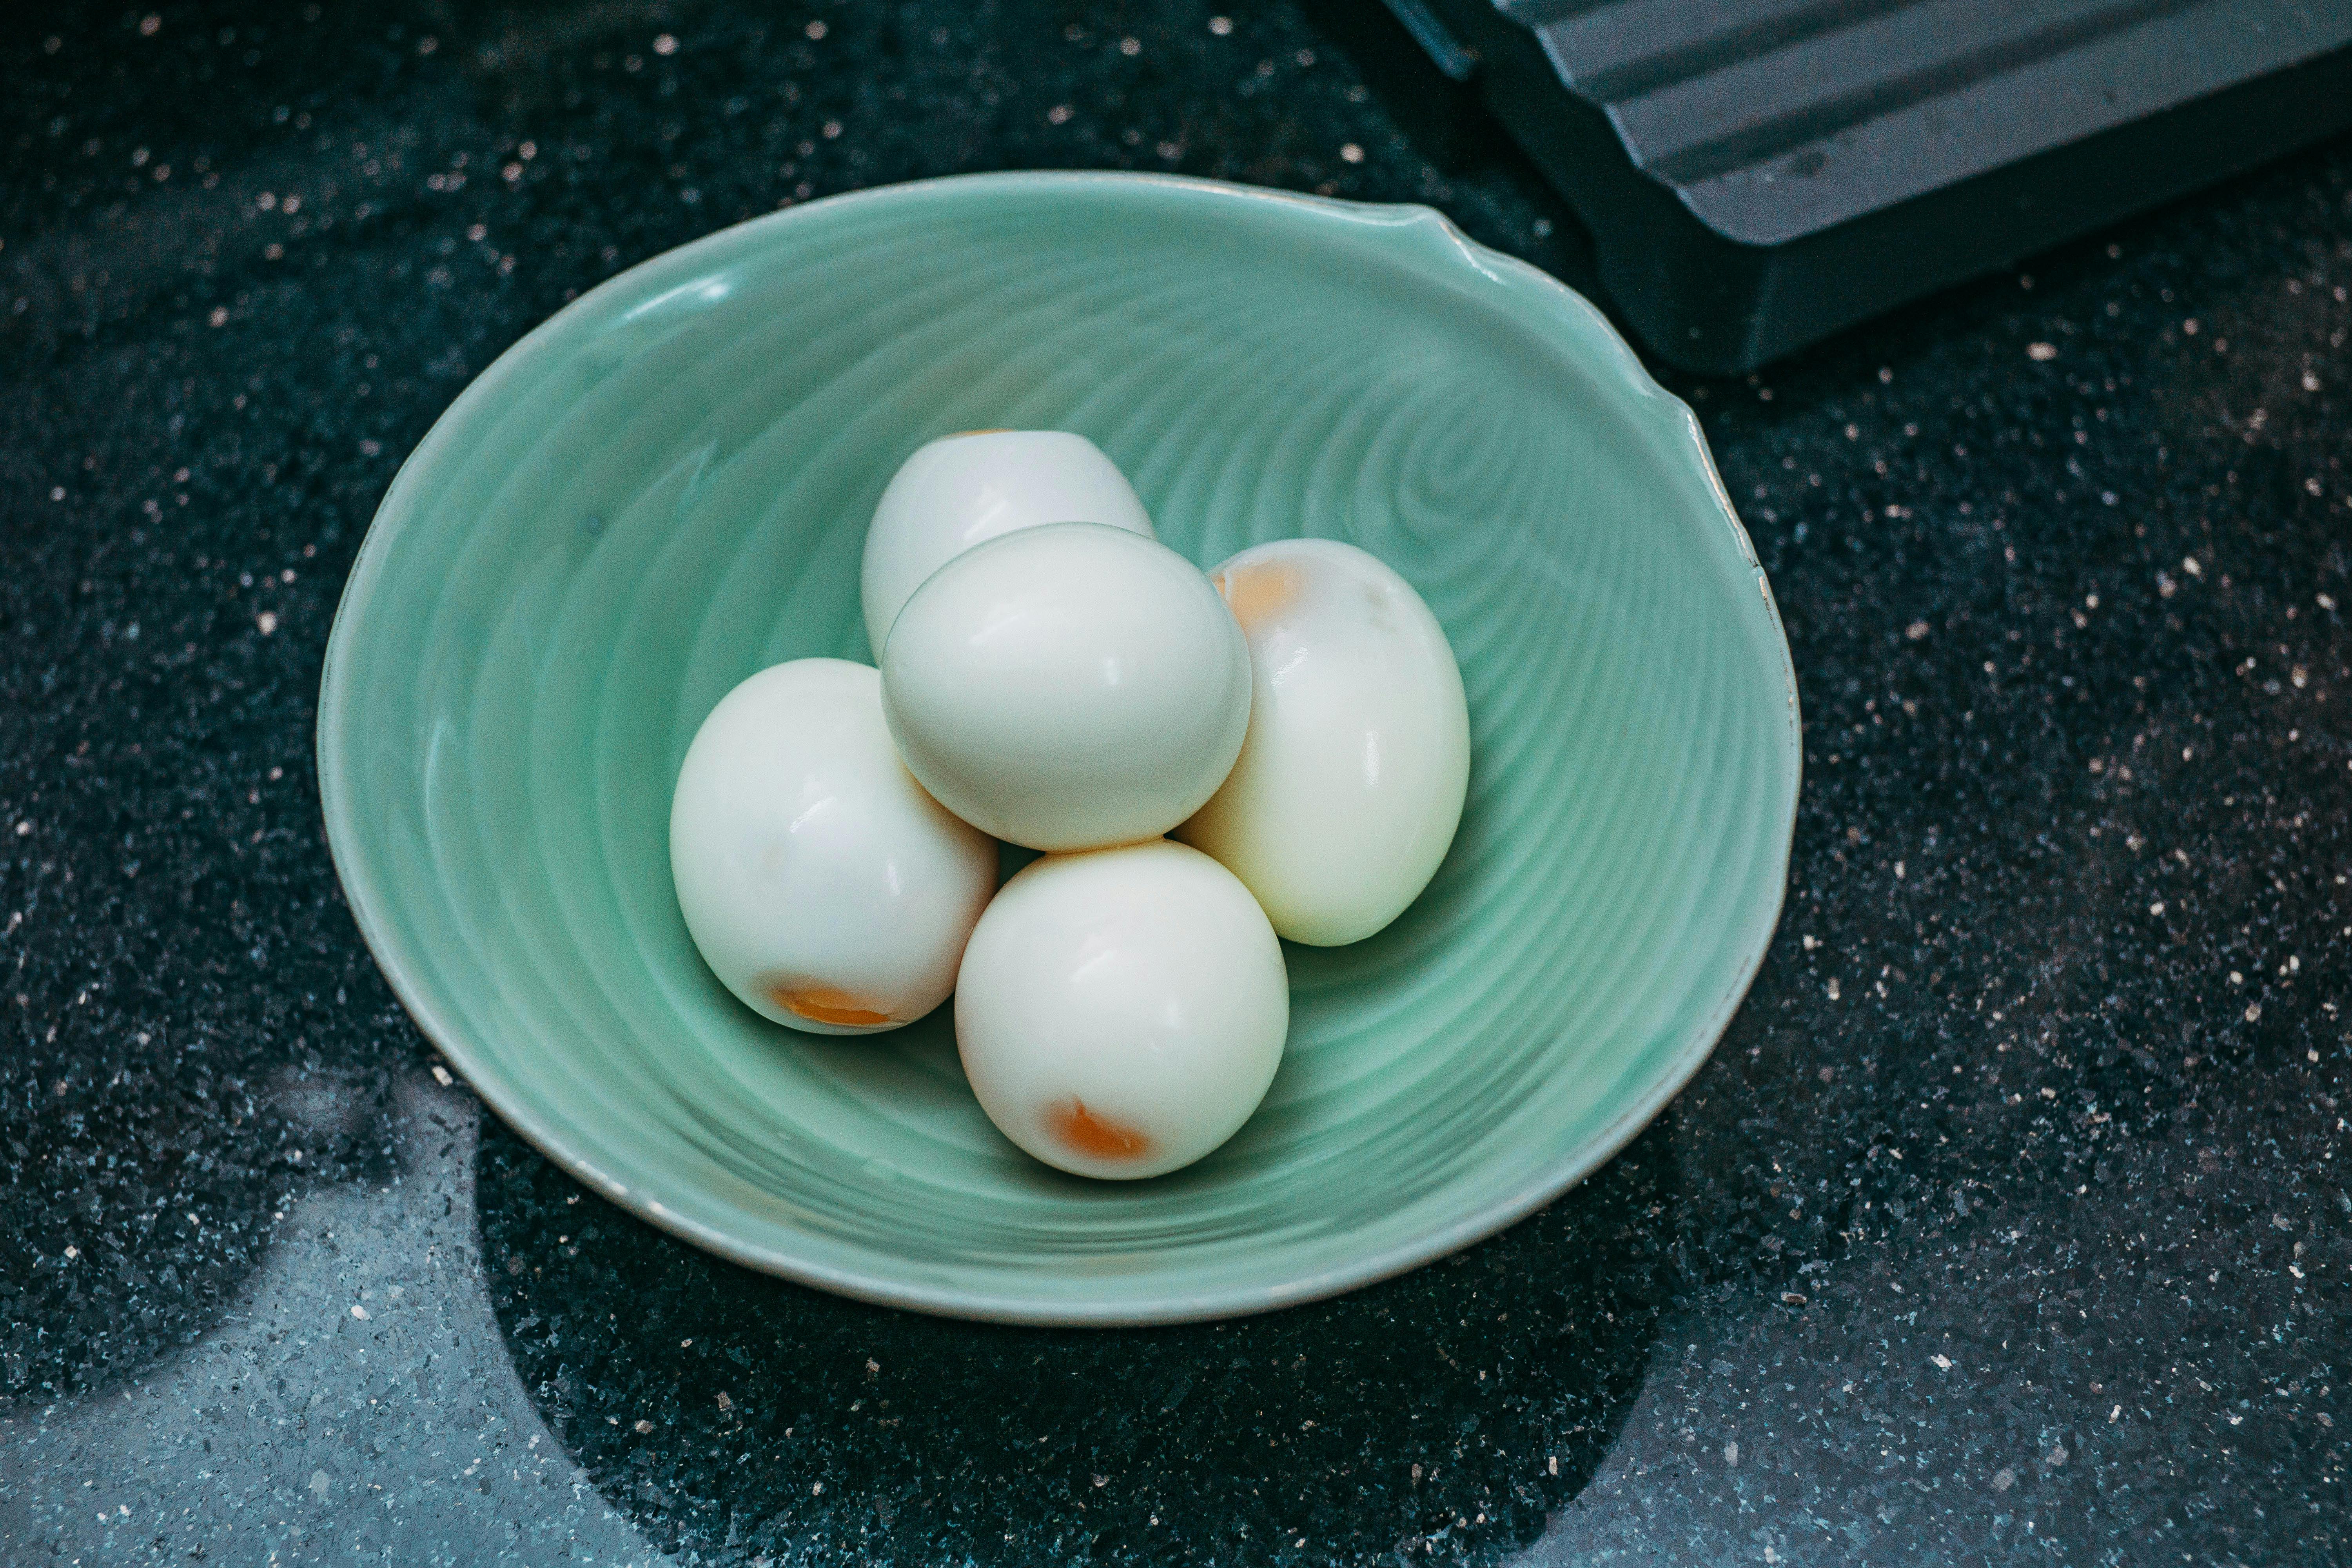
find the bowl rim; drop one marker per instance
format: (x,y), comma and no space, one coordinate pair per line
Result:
(1106,1310)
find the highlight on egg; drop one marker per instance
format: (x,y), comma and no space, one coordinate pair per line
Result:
(1349,787)
(1120,1013)
(965,489)
(1068,687)
(821,885)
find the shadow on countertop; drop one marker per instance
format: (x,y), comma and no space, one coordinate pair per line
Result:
(1449,1410)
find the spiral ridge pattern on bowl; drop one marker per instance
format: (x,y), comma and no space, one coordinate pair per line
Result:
(666,487)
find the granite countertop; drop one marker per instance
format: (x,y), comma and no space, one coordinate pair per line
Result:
(2005,1225)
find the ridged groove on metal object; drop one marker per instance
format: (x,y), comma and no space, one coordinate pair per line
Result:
(510,691)
(1693,102)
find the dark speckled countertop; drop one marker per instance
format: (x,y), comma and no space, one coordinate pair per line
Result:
(2006,1225)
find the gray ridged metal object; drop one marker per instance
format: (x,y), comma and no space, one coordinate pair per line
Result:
(1758,173)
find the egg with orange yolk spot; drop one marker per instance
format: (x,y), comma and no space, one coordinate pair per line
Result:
(1120,1013)
(977,485)
(820,883)
(823,1004)
(1257,590)
(1351,780)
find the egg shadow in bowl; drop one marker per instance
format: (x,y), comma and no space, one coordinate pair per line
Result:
(1437,1416)
(666,488)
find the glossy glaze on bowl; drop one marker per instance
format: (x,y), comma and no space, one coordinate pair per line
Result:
(666,488)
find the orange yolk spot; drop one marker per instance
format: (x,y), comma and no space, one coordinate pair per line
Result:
(823,1004)
(1258,591)
(1096,1137)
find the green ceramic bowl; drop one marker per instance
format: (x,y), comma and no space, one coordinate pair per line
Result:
(666,488)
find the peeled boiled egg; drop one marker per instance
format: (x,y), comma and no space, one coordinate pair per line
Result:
(1349,787)
(821,885)
(1068,687)
(961,489)
(1120,1013)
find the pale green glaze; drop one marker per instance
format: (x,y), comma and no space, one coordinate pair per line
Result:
(666,488)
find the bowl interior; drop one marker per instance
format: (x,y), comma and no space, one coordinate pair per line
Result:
(666,487)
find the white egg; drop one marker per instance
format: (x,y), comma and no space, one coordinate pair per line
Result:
(960,491)
(1068,687)
(1120,1013)
(1349,787)
(820,884)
